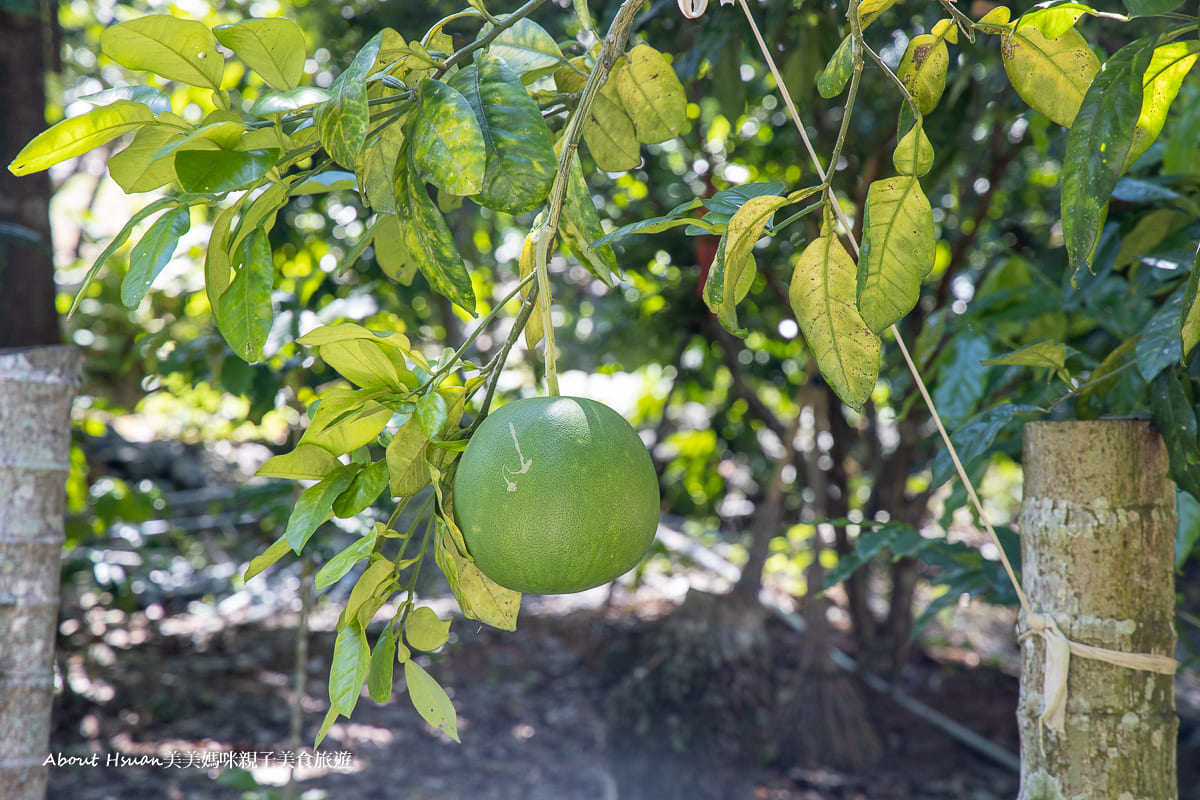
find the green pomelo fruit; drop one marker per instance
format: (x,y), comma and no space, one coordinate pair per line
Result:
(556,495)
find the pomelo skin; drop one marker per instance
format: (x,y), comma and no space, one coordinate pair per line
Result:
(556,495)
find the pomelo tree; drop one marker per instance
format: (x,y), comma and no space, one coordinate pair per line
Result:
(495,117)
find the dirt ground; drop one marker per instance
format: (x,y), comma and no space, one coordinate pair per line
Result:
(167,705)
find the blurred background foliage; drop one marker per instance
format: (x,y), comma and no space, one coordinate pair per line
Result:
(714,408)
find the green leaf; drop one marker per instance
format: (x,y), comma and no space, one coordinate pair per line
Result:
(923,70)
(1045,354)
(78,135)
(580,227)
(376,173)
(307,462)
(274,48)
(218,264)
(527,48)
(652,95)
(1050,75)
(427,239)
(822,295)
(728,201)
(444,139)
(425,631)
(974,439)
(520,163)
(407,469)
(962,378)
(733,270)
(1161,344)
(335,180)
(1097,146)
(152,253)
(362,491)
(375,582)
(608,132)
(1170,64)
(1189,326)
(345,420)
(139,168)
(1188,529)
(244,311)
(898,250)
(836,75)
(351,663)
(914,152)
(349,332)
(652,225)
(430,699)
(220,171)
(177,49)
(336,568)
(370,363)
(1150,8)
(292,100)
(1175,417)
(899,537)
(343,119)
(261,212)
(383,661)
(315,506)
(331,717)
(272,554)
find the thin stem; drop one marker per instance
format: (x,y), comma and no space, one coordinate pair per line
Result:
(496,366)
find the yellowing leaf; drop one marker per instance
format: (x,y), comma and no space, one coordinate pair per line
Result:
(408,473)
(430,699)
(897,252)
(923,70)
(609,132)
(1169,65)
(870,10)
(733,269)
(1189,330)
(914,152)
(78,135)
(534,326)
(425,631)
(823,297)
(1050,75)
(652,95)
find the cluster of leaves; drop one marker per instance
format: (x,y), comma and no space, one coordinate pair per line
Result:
(473,123)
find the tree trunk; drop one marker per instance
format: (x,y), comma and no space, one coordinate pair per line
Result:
(37,386)
(28,315)
(1097,548)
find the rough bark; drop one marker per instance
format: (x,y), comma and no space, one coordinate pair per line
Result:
(27,313)
(37,386)
(1097,547)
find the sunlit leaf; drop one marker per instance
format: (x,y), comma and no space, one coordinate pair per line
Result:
(869,11)
(914,152)
(364,490)
(315,506)
(274,48)
(152,253)
(345,420)
(923,70)
(430,699)
(520,162)
(444,139)
(535,325)
(291,100)
(177,49)
(898,250)
(1097,146)
(408,473)
(137,168)
(427,239)
(527,48)
(376,172)
(1045,354)
(822,295)
(1170,64)
(336,568)
(261,211)
(342,120)
(306,462)
(733,270)
(261,562)
(652,95)
(375,581)
(149,96)
(1050,75)
(609,132)
(78,135)
(1189,330)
